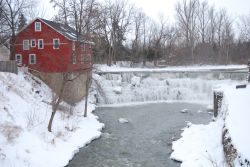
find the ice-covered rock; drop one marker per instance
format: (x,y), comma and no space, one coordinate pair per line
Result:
(122,120)
(184,110)
(118,90)
(135,81)
(210,108)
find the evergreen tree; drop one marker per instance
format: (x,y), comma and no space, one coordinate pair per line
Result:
(21,22)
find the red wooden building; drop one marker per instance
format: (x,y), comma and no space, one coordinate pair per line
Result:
(47,46)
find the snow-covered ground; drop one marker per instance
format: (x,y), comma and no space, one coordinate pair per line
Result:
(236,111)
(201,145)
(24,116)
(25,112)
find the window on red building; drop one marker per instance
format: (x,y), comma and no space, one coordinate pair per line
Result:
(40,44)
(33,43)
(32,59)
(56,43)
(38,26)
(26,45)
(19,59)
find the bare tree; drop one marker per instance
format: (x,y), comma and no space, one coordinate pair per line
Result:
(116,27)
(11,9)
(212,25)
(244,26)
(186,12)
(58,97)
(227,37)
(63,10)
(203,20)
(138,20)
(80,15)
(77,13)
(220,21)
(159,34)
(88,83)
(144,36)
(170,42)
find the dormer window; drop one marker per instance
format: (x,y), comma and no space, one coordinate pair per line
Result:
(56,43)
(38,26)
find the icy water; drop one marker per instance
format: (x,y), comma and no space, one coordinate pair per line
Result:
(145,141)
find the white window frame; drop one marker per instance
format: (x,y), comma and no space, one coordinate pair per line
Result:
(32,40)
(54,43)
(20,61)
(30,55)
(73,46)
(38,43)
(26,47)
(73,58)
(40,25)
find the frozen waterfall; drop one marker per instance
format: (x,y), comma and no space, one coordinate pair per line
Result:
(137,87)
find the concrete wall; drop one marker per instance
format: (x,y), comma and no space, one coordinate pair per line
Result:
(74,91)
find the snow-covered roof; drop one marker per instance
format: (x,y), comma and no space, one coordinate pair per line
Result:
(63,29)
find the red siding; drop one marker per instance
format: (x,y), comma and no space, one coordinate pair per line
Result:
(49,59)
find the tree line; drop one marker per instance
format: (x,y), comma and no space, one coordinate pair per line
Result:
(201,33)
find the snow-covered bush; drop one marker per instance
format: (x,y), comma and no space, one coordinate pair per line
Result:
(10,131)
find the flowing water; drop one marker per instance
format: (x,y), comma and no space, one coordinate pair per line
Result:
(145,141)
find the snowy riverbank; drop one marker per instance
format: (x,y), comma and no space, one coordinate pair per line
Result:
(235,110)
(24,115)
(201,145)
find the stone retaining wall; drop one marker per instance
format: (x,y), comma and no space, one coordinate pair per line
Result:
(75,90)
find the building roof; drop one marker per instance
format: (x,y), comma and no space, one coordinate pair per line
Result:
(64,29)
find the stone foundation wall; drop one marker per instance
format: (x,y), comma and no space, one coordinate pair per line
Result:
(74,91)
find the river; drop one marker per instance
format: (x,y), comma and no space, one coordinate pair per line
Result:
(145,141)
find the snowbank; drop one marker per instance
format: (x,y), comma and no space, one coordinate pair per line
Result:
(200,145)
(236,111)
(24,115)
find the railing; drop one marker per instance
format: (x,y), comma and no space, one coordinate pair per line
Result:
(9,66)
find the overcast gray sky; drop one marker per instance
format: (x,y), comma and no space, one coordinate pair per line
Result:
(153,8)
